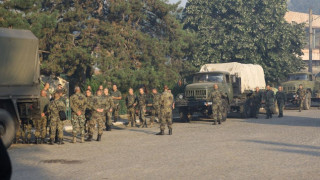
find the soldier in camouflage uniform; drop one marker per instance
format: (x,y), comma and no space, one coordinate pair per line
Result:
(131,103)
(88,113)
(281,98)
(155,111)
(116,96)
(216,98)
(41,124)
(257,98)
(78,104)
(166,106)
(142,102)
(54,107)
(110,105)
(269,101)
(301,96)
(99,108)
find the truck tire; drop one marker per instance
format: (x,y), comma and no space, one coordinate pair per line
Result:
(185,116)
(307,102)
(7,128)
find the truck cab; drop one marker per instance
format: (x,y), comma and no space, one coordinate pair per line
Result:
(197,93)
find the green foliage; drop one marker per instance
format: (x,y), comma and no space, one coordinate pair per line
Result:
(133,43)
(246,31)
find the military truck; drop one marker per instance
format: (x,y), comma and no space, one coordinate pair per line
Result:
(309,82)
(236,80)
(19,83)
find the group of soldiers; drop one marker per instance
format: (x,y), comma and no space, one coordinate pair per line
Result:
(89,111)
(258,97)
(269,99)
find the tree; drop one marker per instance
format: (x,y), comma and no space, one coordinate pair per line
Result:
(304,5)
(246,31)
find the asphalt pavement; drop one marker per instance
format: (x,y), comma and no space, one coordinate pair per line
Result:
(277,148)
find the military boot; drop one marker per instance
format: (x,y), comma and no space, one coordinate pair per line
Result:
(108,128)
(170,131)
(74,139)
(82,139)
(36,140)
(219,122)
(43,140)
(51,142)
(161,132)
(89,138)
(99,137)
(28,141)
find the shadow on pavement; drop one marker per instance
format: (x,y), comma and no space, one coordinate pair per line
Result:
(286,121)
(142,130)
(284,147)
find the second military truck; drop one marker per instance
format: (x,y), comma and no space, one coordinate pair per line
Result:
(236,80)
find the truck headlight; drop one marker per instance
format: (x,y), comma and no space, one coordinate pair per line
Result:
(180,96)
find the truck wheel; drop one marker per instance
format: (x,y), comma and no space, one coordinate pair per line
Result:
(183,113)
(307,102)
(7,128)
(246,111)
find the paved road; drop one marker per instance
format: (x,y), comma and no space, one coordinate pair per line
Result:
(287,148)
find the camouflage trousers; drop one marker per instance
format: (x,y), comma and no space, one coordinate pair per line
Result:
(216,113)
(116,110)
(166,119)
(108,120)
(41,127)
(131,116)
(96,119)
(56,124)
(142,116)
(256,108)
(155,112)
(78,122)
(281,107)
(25,132)
(301,104)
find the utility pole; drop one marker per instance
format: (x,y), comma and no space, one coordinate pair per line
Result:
(310,40)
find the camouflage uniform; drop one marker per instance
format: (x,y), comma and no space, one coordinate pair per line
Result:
(116,106)
(166,102)
(98,102)
(56,124)
(281,98)
(269,99)
(216,98)
(130,101)
(78,102)
(88,112)
(257,98)
(41,124)
(155,111)
(110,104)
(301,96)
(142,101)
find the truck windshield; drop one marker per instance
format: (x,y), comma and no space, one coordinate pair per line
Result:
(295,77)
(208,78)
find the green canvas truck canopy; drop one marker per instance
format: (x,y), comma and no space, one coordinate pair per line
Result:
(19,62)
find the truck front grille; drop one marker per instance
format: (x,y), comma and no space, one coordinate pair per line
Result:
(199,93)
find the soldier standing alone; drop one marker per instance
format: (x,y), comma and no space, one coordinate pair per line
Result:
(56,124)
(116,96)
(88,113)
(216,98)
(78,104)
(269,100)
(41,124)
(166,106)
(131,103)
(301,96)
(281,100)
(155,105)
(142,102)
